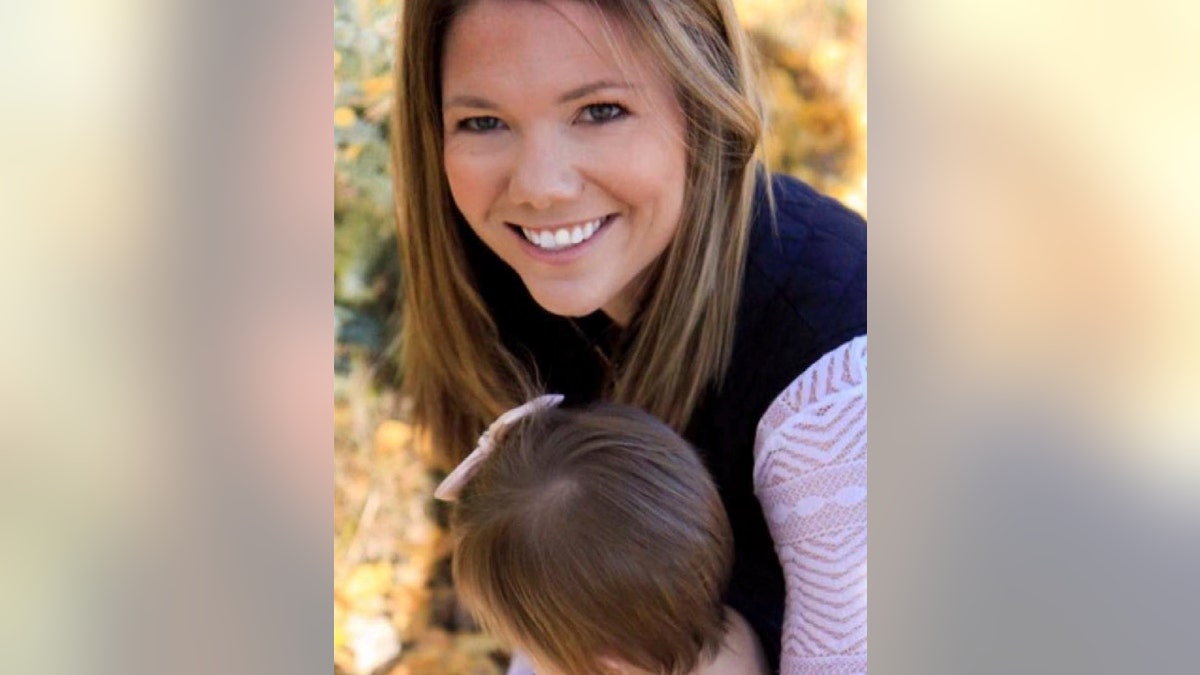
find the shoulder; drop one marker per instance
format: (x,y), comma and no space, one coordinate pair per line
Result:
(807,263)
(804,291)
(800,209)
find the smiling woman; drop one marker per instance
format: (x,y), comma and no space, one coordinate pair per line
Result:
(583,209)
(566,159)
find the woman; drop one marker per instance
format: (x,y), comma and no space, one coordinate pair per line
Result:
(580,204)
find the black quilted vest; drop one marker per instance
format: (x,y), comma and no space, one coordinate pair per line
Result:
(805,293)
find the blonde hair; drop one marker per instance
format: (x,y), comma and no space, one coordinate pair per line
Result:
(455,366)
(592,534)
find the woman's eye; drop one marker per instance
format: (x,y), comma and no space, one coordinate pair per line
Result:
(598,113)
(480,124)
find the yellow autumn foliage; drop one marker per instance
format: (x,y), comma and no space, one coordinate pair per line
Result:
(344,117)
(375,87)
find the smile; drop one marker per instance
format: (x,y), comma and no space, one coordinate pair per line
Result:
(558,238)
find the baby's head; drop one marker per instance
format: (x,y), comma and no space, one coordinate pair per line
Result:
(595,537)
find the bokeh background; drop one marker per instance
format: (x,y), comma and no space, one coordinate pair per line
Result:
(394,607)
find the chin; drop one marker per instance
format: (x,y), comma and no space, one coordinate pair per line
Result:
(561,305)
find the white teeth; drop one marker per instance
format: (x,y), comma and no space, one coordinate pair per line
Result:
(552,240)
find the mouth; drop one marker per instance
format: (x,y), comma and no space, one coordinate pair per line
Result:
(565,236)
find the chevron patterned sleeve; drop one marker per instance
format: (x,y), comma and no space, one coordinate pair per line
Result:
(810,476)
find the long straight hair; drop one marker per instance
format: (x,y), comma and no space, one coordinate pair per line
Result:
(454,364)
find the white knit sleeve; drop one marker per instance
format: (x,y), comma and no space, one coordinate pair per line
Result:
(810,475)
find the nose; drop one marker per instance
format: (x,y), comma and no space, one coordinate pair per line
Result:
(545,173)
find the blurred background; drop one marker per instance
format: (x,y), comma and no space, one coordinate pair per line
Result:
(394,607)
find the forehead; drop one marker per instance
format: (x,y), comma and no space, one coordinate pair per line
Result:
(523,44)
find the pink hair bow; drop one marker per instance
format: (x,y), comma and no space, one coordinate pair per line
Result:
(453,484)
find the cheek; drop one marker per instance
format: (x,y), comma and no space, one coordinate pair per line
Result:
(655,174)
(459,178)
(658,188)
(470,184)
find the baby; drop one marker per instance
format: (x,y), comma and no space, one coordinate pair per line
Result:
(594,541)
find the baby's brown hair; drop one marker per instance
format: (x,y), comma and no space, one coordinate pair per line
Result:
(595,533)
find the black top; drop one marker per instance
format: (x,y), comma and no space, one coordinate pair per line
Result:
(804,294)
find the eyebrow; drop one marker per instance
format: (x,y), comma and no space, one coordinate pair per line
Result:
(469,101)
(588,89)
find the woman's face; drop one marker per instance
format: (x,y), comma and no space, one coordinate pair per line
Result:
(564,150)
